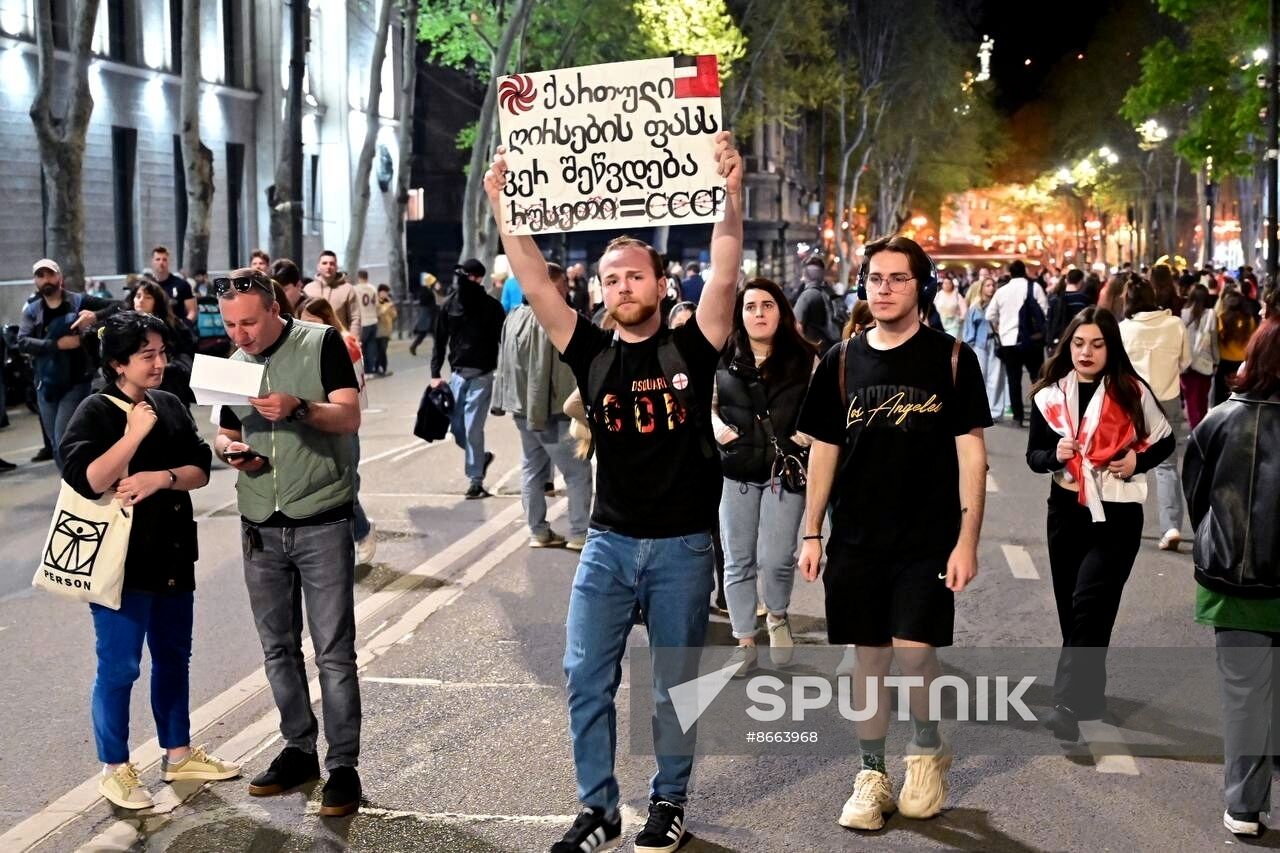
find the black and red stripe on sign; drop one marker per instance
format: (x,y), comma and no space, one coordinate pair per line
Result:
(705,83)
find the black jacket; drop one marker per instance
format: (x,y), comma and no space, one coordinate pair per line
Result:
(469,328)
(162,542)
(1231,476)
(750,457)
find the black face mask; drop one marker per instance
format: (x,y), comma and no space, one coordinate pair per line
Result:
(49,289)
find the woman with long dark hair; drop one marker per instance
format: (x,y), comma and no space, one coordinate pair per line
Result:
(1232,481)
(758,392)
(1202,335)
(1235,326)
(1096,427)
(140,442)
(150,298)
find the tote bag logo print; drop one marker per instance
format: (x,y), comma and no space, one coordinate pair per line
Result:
(74,544)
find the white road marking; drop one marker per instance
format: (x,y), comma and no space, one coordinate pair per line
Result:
(423,496)
(461,685)
(505,477)
(421,446)
(84,797)
(992,485)
(1106,745)
(1020,562)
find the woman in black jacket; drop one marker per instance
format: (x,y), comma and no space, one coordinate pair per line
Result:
(151,457)
(1231,476)
(765,373)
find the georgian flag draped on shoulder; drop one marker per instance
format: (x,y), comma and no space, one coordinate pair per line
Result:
(1104,432)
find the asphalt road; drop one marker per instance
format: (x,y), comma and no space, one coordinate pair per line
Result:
(465,743)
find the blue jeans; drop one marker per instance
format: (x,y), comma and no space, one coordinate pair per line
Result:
(472,398)
(541,448)
(369,347)
(758,530)
(670,581)
(1168,482)
(56,411)
(285,567)
(164,621)
(994,378)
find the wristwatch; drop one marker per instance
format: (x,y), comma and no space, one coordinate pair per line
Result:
(173,478)
(299,414)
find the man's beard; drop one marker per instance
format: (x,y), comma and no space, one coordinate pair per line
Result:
(48,289)
(635,313)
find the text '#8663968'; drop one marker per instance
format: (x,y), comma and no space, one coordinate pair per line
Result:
(626,144)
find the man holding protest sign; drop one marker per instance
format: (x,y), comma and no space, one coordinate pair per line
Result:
(648,393)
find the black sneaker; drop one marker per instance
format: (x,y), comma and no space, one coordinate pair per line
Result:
(292,768)
(341,795)
(488,460)
(475,492)
(592,832)
(45,454)
(6,465)
(1062,722)
(663,831)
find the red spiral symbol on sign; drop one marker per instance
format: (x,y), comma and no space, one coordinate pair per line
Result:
(516,93)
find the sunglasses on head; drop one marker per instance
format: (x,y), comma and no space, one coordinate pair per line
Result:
(224,286)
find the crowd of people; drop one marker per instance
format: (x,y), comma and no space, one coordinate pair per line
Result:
(737,427)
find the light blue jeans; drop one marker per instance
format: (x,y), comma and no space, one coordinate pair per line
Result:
(56,412)
(758,530)
(993,375)
(470,411)
(541,448)
(669,581)
(1168,483)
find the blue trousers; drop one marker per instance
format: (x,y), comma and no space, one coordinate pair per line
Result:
(670,581)
(472,398)
(165,622)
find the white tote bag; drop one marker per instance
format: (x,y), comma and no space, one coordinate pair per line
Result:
(84,552)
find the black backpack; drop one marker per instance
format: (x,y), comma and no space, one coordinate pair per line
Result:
(434,413)
(1032,324)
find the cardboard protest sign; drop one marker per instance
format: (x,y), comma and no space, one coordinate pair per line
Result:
(626,144)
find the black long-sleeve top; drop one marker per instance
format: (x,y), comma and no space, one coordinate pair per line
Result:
(162,542)
(1042,441)
(469,329)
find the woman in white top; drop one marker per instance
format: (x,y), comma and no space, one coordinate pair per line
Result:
(951,307)
(1202,336)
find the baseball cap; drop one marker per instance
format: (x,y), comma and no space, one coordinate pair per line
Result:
(816,261)
(471,266)
(46,264)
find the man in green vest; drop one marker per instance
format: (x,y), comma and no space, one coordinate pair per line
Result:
(292,446)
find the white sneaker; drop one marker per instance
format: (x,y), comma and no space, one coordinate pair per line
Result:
(781,645)
(1171,539)
(1247,828)
(924,790)
(550,539)
(744,658)
(367,547)
(198,766)
(871,800)
(122,788)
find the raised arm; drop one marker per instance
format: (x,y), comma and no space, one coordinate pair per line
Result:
(528,265)
(715,308)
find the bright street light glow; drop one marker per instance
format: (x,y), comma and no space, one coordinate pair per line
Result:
(1260,55)
(1104,152)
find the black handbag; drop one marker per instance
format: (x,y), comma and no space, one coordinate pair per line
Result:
(788,469)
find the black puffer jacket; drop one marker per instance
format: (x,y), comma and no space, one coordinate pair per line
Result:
(1231,476)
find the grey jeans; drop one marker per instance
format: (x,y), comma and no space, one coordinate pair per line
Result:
(541,448)
(758,529)
(1168,483)
(1247,662)
(285,567)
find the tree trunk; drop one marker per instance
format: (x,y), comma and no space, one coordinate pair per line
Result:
(1173,216)
(285,200)
(61,139)
(479,231)
(397,201)
(197,158)
(360,191)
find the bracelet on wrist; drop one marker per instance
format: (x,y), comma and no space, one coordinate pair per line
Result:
(814,536)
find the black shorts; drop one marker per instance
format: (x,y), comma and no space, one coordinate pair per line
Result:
(873,598)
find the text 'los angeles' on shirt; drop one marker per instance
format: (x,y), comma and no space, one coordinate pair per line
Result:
(897,487)
(653,478)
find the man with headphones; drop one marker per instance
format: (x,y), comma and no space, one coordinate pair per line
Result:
(897,415)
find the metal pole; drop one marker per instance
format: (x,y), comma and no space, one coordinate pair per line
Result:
(1273,144)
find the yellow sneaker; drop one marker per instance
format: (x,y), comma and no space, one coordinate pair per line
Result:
(872,799)
(924,790)
(198,766)
(122,788)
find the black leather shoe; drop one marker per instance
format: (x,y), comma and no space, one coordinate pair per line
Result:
(6,465)
(1062,722)
(341,793)
(292,768)
(44,455)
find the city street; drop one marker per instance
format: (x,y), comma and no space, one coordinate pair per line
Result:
(465,746)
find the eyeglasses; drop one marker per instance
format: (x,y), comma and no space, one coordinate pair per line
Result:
(224,286)
(897,281)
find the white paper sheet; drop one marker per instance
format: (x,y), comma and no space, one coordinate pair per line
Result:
(222,381)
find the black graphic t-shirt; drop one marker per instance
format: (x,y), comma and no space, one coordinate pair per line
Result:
(653,480)
(897,488)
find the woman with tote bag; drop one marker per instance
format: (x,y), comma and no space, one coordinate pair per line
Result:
(141,443)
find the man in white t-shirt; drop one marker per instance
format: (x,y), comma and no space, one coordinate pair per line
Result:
(1002,314)
(367,302)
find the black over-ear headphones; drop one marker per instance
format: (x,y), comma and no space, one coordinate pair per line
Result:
(925,290)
